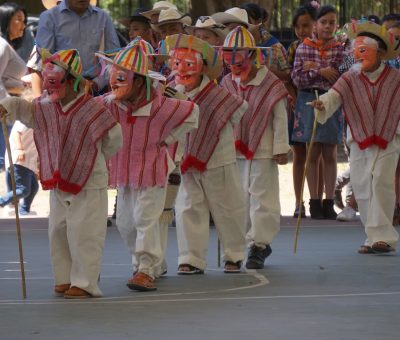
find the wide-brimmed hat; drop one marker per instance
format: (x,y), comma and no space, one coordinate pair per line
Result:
(369,28)
(208,23)
(52,3)
(157,7)
(171,15)
(69,60)
(136,16)
(233,15)
(209,53)
(136,57)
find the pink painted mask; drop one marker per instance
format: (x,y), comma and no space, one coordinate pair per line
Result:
(239,63)
(365,53)
(187,67)
(54,82)
(121,83)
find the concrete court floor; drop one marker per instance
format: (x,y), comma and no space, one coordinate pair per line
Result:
(325,291)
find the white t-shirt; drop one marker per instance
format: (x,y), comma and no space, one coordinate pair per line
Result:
(28,144)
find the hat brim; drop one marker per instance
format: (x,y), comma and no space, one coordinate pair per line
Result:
(185,20)
(126,21)
(151,74)
(45,54)
(48,4)
(356,29)
(220,32)
(150,13)
(214,63)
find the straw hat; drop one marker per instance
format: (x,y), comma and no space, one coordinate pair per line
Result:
(157,7)
(171,15)
(361,27)
(239,39)
(209,54)
(208,23)
(69,60)
(135,58)
(48,4)
(233,15)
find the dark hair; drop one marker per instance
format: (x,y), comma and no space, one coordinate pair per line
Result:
(7,10)
(391,16)
(381,44)
(326,9)
(304,10)
(374,19)
(255,12)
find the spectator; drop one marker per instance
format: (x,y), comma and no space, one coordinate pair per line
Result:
(79,25)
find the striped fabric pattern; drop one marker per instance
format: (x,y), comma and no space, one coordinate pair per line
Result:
(66,141)
(372,110)
(141,162)
(261,99)
(216,106)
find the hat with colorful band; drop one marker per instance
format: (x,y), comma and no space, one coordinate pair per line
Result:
(208,53)
(370,29)
(69,60)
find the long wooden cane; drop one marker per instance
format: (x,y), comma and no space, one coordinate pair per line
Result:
(297,230)
(15,201)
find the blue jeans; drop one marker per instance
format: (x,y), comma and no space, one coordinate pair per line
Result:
(3,146)
(26,186)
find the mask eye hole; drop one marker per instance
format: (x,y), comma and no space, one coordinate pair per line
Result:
(121,78)
(361,49)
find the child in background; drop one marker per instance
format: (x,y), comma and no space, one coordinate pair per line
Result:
(303,23)
(316,69)
(25,159)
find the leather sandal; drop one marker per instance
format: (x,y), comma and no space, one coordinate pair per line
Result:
(188,269)
(381,247)
(231,267)
(141,282)
(59,290)
(76,293)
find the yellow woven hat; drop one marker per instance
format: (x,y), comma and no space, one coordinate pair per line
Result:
(369,28)
(69,60)
(137,57)
(209,53)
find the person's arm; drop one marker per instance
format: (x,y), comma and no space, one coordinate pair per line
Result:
(303,77)
(190,123)
(45,36)
(326,106)
(112,141)
(281,136)
(17,138)
(17,109)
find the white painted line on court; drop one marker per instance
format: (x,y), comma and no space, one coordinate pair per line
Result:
(15,270)
(11,262)
(100,301)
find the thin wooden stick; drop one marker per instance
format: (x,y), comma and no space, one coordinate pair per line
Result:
(297,230)
(219,253)
(15,201)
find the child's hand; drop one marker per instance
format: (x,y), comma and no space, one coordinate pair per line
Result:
(281,159)
(330,74)
(3,111)
(21,155)
(317,104)
(309,65)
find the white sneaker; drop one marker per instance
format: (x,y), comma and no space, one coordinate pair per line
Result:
(348,214)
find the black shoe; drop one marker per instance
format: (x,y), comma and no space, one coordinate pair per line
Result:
(109,223)
(328,211)
(303,211)
(316,209)
(257,256)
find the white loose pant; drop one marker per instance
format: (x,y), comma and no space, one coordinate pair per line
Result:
(372,175)
(217,191)
(260,180)
(77,231)
(138,213)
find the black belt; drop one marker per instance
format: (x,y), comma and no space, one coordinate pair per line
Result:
(320,91)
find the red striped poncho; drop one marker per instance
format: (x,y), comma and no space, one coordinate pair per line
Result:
(372,109)
(66,141)
(141,162)
(262,100)
(216,106)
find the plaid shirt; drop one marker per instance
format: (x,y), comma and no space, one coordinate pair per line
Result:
(323,58)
